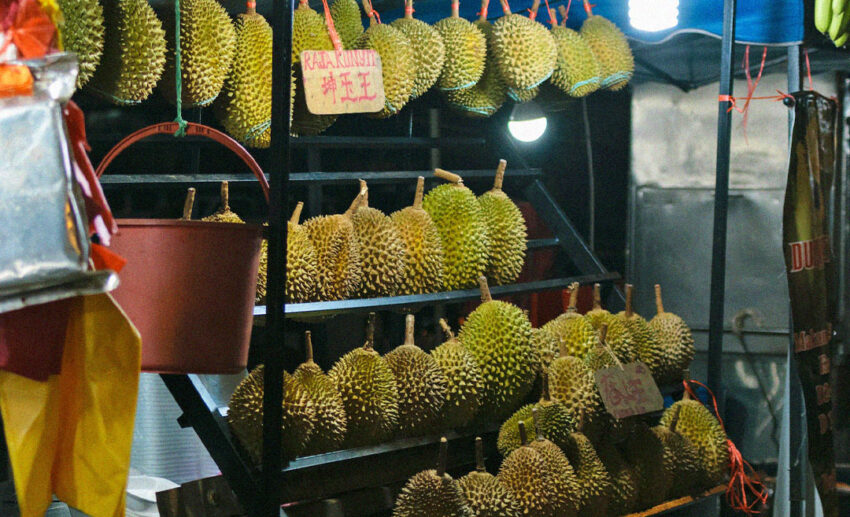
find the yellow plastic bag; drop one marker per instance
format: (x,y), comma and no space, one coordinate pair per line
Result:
(71,436)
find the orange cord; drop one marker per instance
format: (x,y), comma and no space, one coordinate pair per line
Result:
(808,69)
(329,21)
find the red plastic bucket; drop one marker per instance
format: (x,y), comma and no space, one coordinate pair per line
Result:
(189,286)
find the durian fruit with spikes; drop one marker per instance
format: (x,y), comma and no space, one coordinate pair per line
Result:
(347,21)
(207,43)
(463,231)
(245,415)
(463,380)
(398,62)
(696,423)
(572,384)
(81,30)
(432,493)
(527,475)
(337,252)
(674,336)
(507,231)
(429,53)
(521,96)
(624,490)
(600,357)
(369,393)
(244,106)
(593,480)
(484,495)
(647,347)
(489,93)
(381,250)
(133,53)
(565,480)
(301,261)
(466,51)
(610,48)
(577,72)
(423,248)
(645,453)
(498,334)
(331,421)
(574,333)
(525,51)
(618,337)
(682,457)
(309,32)
(554,422)
(547,349)
(422,386)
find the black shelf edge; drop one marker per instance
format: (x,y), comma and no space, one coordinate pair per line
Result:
(324,142)
(296,178)
(412,301)
(543,243)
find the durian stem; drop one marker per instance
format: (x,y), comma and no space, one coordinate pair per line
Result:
(296,214)
(357,201)
(581,420)
(603,333)
(659,305)
(485,5)
(535,417)
(485,289)
(479,455)
(500,175)
(364,187)
(409,329)
(408,9)
(506,8)
(251,7)
(553,20)
(308,339)
(629,291)
(523,436)
(225,196)
(370,331)
(564,15)
(444,454)
(546,396)
(188,204)
(573,296)
(448,176)
(588,8)
(455,9)
(447,329)
(534,8)
(687,395)
(420,192)
(675,420)
(597,296)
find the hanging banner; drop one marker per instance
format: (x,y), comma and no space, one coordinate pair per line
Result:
(811,275)
(342,81)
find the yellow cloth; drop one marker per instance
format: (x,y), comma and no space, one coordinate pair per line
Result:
(71,436)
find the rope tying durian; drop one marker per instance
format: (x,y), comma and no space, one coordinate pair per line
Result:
(178,74)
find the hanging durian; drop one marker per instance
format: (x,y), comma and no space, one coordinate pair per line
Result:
(463,231)
(207,47)
(574,333)
(484,495)
(527,475)
(245,415)
(423,248)
(421,384)
(432,493)
(301,261)
(645,453)
(429,53)
(331,421)
(244,106)
(81,30)
(674,336)
(521,96)
(466,51)
(593,480)
(498,334)
(133,53)
(398,61)
(369,393)
(577,72)
(617,335)
(646,344)
(347,21)
(507,231)
(565,480)
(337,252)
(309,32)
(696,423)
(610,48)
(463,377)
(381,250)
(525,51)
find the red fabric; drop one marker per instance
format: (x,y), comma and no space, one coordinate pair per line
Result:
(104,258)
(32,339)
(26,25)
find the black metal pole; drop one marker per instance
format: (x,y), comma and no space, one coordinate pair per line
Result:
(279,163)
(721,205)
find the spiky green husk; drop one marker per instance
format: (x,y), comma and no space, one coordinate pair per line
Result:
(564,478)
(381,253)
(423,251)
(82,33)
(529,478)
(674,336)
(464,383)
(703,430)
(508,236)
(331,421)
(573,332)
(489,93)
(486,497)
(337,256)
(617,337)
(645,453)
(347,21)
(398,63)
(555,424)
(422,388)
(466,50)
(683,460)
(429,53)
(309,32)
(611,49)
(577,72)
(521,96)
(624,491)
(593,479)
(429,495)
(301,265)
(572,383)
(646,345)
(525,51)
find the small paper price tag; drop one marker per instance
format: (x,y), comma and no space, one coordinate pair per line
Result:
(345,81)
(629,390)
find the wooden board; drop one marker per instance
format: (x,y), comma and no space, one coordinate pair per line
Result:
(678,503)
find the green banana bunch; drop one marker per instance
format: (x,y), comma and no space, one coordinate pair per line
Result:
(832,17)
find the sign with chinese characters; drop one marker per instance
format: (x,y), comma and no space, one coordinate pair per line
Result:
(629,390)
(343,81)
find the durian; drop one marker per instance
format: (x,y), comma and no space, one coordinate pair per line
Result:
(507,231)
(577,72)
(207,46)
(525,51)
(696,423)
(484,495)
(432,493)
(429,53)
(347,21)
(566,484)
(645,453)
(647,347)
(593,480)
(521,96)
(527,475)
(301,261)
(331,421)
(133,53)
(463,377)
(423,248)
(398,62)
(463,231)
(546,349)
(572,384)
(466,51)
(337,252)
(369,393)
(244,105)
(498,334)
(421,383)
(82,31)
(674,336)
(245,415)
(381,250)
(617,337)
(309,32)
(611,49)
(554,422)
(683,458)
(224,214)
(598,358)
(624,491)
(574,333)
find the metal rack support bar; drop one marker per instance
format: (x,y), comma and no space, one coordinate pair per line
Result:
(721,206)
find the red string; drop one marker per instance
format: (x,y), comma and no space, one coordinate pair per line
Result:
(375,14)
(733,101)
(408,9)
(808,69)
(482,14)
(531,14)
(329,21)
(588,8)
(567,14)
(251,4)
(751,85)
(552,19)
(741,482)
(506,7)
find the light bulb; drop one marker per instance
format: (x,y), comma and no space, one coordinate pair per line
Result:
(527,122)
(653,15)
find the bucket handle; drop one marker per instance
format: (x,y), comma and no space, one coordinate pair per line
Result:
(192,129)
